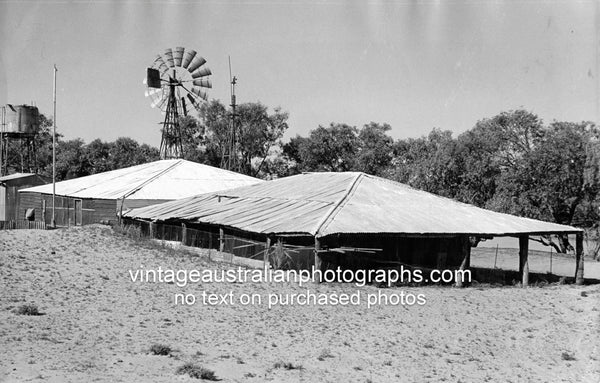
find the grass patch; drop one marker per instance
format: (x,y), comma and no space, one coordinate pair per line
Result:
(567,356)
(197,372)
(324,355)
(28,309)
(288,366)
(160,349)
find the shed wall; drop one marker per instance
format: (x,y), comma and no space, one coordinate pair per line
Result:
(68,210)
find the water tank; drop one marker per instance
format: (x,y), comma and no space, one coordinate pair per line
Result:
(21,119)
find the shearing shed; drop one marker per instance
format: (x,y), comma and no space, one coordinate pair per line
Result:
(352,219)
(104,196)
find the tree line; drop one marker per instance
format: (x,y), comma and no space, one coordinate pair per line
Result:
(512,162)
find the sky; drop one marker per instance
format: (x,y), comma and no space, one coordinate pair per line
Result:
(416,65)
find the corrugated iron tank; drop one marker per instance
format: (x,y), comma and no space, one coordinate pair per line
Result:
(21,119)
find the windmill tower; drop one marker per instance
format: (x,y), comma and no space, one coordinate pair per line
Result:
(175,84)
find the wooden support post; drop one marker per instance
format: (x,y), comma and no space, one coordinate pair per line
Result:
(266,263)
(318,261)
(151,230)
(279,258)
(183,234)
(523,263)
(466,262)
(221,240)
(579,259)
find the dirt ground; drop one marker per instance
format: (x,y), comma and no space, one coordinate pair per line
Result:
(99,326)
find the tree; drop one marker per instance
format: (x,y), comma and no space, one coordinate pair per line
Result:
(515,164)
(257,132)
(192,136)
(375,150)
(427,163)
(493,150)
(125,152)
(97,155)
(332,149)
(71,160)
(556,178)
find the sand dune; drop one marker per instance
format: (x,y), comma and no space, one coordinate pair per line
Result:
(98,325)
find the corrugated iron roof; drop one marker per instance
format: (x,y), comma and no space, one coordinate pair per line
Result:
(15,176)
(159,180)
(322,204)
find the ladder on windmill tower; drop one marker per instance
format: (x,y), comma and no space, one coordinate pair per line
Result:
(229,155)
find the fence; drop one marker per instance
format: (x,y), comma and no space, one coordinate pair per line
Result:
(22,224)
(230,248)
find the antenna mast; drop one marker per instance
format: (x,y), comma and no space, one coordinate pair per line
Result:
(229,157)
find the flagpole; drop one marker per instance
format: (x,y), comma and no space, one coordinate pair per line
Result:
(53,221)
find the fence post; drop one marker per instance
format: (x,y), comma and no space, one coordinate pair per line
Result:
(183,234)
(523,262)
(466,262)
(210,236)
(151,230)
(266,254)
(318,268)
(221,240)
(579,259)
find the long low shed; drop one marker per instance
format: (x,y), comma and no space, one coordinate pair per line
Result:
(104,196)
(338,212)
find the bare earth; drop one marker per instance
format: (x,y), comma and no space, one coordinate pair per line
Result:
(99,325)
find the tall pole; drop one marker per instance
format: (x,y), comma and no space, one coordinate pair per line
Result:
(53,221)
(2,140)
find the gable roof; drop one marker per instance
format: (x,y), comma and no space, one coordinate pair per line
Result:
(159,180)
(321,204)
(20,179)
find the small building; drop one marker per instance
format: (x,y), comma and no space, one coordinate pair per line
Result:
(9,196)
(102,197)
(351,219)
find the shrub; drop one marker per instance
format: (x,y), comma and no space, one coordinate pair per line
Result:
(288,366)
(567,356)
(28,309)
(160,349)
(197,372)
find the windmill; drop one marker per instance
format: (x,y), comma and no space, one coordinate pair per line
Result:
(175,83)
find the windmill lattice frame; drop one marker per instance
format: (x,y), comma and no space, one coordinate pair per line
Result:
(175,76)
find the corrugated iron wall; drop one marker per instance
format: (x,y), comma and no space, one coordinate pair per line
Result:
(68,211)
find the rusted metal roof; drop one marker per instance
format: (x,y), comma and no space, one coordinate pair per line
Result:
(159,180)
(322,204)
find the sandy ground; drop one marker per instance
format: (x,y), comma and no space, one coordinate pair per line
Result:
(99,325)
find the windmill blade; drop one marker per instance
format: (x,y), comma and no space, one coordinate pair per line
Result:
(196,63)
(183,106)
(160,64)
(187,58)
(178,55)
(158,103)
(202,72)
(203,82)
(152,92)
(200,93)
(168,57)
(193,101)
